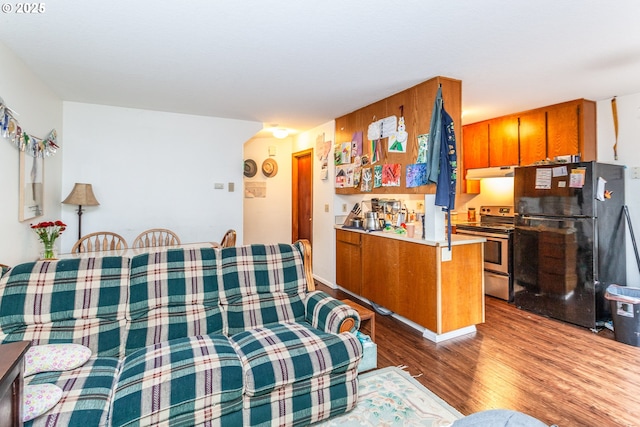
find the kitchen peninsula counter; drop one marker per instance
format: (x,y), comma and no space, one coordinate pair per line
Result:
(420,281)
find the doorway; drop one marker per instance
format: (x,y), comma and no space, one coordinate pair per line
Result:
(302,196)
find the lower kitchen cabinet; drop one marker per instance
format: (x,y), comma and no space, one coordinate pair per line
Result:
(348,260)
(411,279)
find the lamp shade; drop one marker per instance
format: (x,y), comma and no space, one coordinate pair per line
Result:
(82,194)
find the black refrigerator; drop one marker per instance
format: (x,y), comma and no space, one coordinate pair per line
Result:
(569,240)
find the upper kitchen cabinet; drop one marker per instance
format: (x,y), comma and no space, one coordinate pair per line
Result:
(503,141)
(571,129)
(532,131)
(475,138)
(524,138)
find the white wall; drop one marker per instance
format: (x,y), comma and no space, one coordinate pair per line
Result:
(40,110)
(324,247)
(629,156)
(268,219)
(153,169)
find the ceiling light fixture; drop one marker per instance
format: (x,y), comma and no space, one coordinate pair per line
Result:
(280,133)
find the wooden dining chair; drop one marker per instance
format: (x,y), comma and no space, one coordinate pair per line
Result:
(155,237)
(100,241)
(229,239)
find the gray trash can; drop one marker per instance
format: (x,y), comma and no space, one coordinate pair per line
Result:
(625,310)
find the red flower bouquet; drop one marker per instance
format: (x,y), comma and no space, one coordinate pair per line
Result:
(48,232)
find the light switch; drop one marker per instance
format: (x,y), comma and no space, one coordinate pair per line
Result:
(218,186)
(231,187)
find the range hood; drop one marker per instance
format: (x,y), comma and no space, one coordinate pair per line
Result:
(495,172)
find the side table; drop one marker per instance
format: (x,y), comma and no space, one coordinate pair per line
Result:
(366,315)
(11,382)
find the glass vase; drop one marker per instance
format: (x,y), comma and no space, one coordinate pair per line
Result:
(48,251)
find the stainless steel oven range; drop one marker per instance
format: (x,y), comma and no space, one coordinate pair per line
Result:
(496,225)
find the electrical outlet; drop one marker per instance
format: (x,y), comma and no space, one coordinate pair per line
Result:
(326,207)
(218,186)
(232,187)
(635,173)
(344,207)
(446,254)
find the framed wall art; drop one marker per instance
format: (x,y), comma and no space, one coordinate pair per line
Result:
(31,186)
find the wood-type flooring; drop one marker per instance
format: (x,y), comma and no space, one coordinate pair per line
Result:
(559,373)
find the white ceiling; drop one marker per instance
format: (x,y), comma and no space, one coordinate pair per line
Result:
(302,63)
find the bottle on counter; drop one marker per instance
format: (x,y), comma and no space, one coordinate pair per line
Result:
(471,214)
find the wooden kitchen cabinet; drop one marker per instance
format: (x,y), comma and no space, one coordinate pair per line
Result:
(532,134)
(348,260)
(527,137)
(571,129)
(411,279)
(475,138)
(503,141)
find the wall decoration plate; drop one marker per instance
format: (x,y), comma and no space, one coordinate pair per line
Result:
(269,168)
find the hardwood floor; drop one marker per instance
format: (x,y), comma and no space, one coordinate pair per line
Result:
(559,373)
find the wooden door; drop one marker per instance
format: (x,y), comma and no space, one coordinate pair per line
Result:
(302,196)
(532,131)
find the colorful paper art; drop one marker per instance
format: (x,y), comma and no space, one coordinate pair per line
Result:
(391,175)
(416,175)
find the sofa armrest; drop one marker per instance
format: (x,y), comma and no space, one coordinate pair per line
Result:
(329,314)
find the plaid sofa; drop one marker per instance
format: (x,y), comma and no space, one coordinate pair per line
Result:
(186,337)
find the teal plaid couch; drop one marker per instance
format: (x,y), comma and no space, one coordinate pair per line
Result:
(186,337)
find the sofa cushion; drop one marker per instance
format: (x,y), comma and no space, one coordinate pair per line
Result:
(38,399)
(174,294)
(188,380)
(54,357)
(80,301)
(303,402)
(86,394)
(283,354)
(263,285)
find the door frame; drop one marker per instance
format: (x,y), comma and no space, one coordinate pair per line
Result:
(295,157)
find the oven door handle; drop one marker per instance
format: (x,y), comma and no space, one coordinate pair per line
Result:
(483,234)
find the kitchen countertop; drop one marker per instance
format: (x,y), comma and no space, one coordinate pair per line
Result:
(456,239)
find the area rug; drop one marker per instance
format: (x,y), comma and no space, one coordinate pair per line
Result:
(391,397)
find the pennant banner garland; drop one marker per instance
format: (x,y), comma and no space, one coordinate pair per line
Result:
(36,147)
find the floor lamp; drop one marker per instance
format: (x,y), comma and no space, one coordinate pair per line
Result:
(81,195)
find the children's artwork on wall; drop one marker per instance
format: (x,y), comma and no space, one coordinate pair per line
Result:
(345,153)
(416,175)
(349,169)
(357,168)
(356,144)
(337,153)
(423,145)
(322,147)
(341,176)
(398,140)
(391,175)
(366,182)
(377,176)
